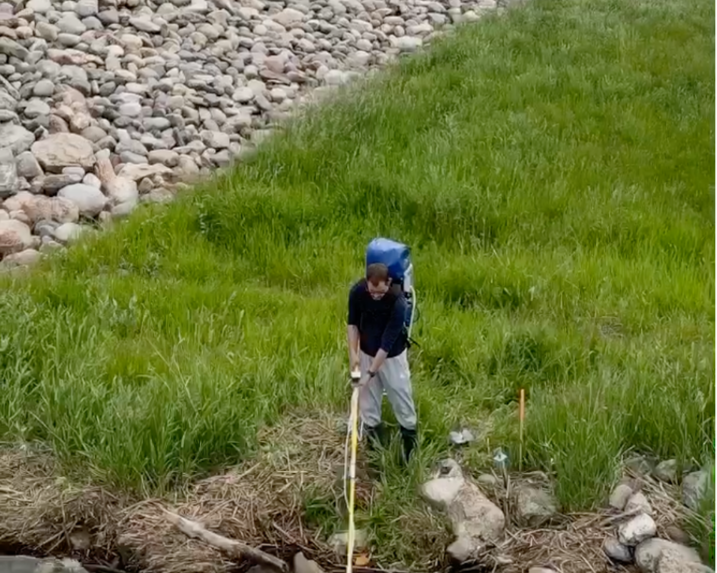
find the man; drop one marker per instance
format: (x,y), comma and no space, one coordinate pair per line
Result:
(378,345)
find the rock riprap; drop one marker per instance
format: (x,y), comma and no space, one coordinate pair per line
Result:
(161,92)
(636,535)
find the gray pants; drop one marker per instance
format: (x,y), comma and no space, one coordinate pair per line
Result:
(395,378)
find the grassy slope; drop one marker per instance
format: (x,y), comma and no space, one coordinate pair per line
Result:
(553,171)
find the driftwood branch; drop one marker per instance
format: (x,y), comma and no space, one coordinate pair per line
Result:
(101,569)
(619,517)
(232,547)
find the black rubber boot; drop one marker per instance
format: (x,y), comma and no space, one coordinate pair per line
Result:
(409,439)
(375,437)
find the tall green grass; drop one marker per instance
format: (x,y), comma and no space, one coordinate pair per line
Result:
(553,171)
(701,523)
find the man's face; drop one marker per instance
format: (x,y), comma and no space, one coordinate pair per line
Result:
(377,291)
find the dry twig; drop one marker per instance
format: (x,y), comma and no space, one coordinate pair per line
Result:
(235,548)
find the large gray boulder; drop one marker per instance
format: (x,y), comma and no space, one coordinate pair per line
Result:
(15,236)
(89,200)
(667,471)
(476,521)
(617,551)
(638,503)
(8,173)
(694,488)
(15,138)
(619,496)
(40,207)
(671,561)
(23,564)
(534,505)
(637,530)
(649,552)
(61,150)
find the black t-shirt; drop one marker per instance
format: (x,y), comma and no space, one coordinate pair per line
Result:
(380,322)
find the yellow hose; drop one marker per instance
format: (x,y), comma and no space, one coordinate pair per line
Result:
(352,477)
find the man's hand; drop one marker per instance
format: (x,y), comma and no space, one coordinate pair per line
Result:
(365,379)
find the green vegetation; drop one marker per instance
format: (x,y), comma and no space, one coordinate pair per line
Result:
(553,170)
(701,524)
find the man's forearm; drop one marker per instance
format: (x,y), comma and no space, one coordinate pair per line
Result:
(378,361)
(353,337)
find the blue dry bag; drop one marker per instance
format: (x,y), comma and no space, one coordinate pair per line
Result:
(397,257)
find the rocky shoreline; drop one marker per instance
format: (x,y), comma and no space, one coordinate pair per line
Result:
(106,104)
(629,530)
(636,532)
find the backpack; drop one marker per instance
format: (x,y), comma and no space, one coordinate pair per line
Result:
(397,257)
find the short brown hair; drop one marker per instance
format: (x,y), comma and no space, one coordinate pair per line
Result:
(377,273)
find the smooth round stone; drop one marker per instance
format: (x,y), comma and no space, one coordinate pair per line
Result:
(43,88)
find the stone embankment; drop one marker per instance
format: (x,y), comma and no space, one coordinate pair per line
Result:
(108,103)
